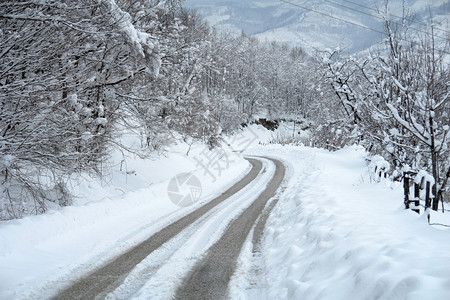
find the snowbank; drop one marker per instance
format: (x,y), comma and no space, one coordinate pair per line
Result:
(335,234)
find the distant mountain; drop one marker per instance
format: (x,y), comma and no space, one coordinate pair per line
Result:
(308,25)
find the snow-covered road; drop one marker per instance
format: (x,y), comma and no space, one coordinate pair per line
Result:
(180,245)
(210,277)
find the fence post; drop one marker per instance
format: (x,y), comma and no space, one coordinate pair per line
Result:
(427,196)
(416,190)
(435,204)
(416,198)
(406,189)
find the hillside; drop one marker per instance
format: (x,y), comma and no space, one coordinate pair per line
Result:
(296,25)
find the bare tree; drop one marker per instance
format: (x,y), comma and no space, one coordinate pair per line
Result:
(410,89)
(60,67)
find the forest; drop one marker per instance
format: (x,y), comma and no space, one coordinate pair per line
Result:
(76,74)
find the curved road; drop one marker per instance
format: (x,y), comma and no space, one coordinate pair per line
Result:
(210,277)
(108,277)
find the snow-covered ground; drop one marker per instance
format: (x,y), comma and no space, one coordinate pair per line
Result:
(338,234)
(335,233)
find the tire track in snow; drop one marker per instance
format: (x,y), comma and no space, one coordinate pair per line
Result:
(159,275)
(210,277)
(111,275)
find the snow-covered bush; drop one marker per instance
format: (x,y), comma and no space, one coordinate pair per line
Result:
(334,135)
(378,168)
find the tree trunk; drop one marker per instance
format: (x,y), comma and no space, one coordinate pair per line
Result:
(434,163)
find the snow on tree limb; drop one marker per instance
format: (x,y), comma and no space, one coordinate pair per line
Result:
(140,41)
(423,136)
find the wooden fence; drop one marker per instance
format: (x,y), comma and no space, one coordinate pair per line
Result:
(421,188)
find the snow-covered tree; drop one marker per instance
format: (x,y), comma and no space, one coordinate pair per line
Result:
(410,88)
(62,67)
